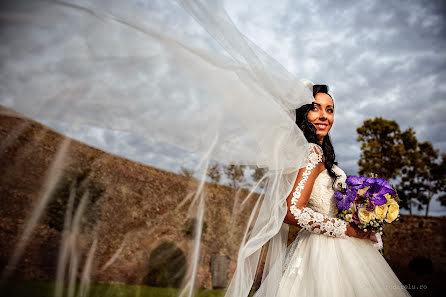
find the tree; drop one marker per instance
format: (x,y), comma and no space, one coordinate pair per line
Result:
(75,186)
(422,177)
(235,174)
(430,173)
(190,226)
(258,174)
(441,173)
(186,172)
(381,148)
(394,154)
(214,173)
(408,187)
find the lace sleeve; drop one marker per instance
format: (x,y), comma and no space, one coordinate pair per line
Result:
(306,217)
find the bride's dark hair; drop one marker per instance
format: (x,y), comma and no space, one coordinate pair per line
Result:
(309,131)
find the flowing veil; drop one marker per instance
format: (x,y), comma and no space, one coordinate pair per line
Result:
(184,76)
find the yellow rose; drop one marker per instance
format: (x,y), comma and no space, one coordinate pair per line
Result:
(390,201)
(392,213)
(364,215)
(380,211)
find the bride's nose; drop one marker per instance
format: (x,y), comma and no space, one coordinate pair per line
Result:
(322,115)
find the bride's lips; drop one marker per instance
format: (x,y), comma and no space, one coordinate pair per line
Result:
(321,126)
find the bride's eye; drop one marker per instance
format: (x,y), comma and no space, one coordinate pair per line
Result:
(330,110)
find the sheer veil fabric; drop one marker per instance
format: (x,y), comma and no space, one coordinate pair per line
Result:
(184,75)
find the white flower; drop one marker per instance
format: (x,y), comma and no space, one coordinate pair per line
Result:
(349,217)
(353,207)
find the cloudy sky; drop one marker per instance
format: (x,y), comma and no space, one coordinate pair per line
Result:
(380,58)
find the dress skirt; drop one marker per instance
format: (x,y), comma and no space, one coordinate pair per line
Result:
(319,265)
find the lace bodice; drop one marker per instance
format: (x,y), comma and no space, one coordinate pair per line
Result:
(316,210)
(322,197)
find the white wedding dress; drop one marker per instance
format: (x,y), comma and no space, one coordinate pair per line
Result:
(324,261)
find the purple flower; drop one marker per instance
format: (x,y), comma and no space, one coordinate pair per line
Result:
(383,183)
(344,200)
(338,195)
(377,189)
(355,182)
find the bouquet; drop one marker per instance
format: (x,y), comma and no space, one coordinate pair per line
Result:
(368,202)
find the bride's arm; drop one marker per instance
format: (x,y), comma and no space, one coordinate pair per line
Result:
(300,215)
(305,217)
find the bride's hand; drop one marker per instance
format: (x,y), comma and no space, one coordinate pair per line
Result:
(354,231)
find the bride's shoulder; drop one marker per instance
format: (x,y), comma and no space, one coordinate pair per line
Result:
(315,148)
(315,152)
(315,156)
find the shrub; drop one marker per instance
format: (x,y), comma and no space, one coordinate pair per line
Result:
(78,184)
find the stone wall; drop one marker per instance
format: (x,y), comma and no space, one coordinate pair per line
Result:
(144,209)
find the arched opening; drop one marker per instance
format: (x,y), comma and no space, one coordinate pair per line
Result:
(167,266)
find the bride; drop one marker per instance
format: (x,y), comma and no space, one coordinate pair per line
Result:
(329,257)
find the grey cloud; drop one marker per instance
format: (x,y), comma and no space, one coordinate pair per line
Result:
(380,58)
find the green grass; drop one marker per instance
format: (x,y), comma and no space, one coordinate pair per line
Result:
(46,289)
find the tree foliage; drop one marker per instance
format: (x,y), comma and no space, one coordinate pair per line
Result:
(186,172)
(258,174)
(381,148)
(394,154)
(429,174)
(409,185)
(441,172)
(190,226)
(214,173)
(422,177)
(74,187)
(235,174)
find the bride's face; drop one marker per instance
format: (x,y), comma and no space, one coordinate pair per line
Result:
(322,115)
